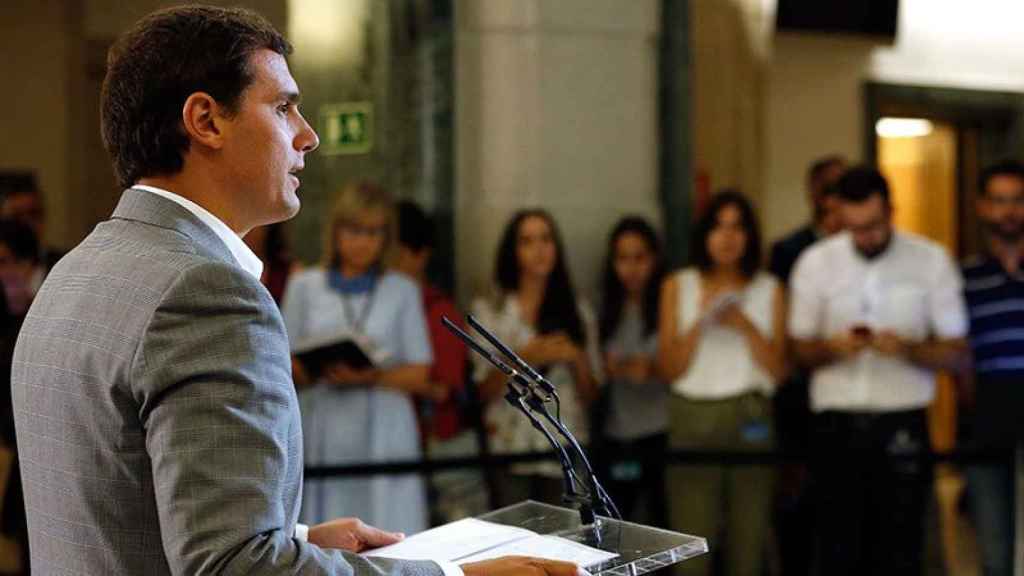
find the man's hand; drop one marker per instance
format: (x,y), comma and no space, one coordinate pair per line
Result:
(890,344)
(847,344)
(351,534)
(521,566)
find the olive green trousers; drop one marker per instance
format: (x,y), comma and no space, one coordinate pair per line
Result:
(731,506)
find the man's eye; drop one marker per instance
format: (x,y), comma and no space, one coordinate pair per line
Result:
(283,108)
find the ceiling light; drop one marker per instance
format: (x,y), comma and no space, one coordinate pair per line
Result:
(903,127)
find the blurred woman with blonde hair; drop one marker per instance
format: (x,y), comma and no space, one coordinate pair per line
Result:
(350,413)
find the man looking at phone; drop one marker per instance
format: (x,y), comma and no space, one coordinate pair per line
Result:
(874,314)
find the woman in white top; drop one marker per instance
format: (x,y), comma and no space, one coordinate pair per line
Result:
(537,313)
(352,414)
(721,346)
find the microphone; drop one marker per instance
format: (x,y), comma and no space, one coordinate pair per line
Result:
(523,396)
(521,364)
(498,363)
(598,498)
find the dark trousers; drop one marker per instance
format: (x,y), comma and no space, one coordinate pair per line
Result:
(871,490)
(633,473)
(794,507)
(997,427)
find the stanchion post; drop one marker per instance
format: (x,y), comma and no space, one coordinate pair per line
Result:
(1018,507)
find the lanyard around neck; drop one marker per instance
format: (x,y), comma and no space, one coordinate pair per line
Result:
(346,307)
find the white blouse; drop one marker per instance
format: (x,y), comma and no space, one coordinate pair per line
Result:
(722,365)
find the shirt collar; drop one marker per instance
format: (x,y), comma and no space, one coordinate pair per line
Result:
(995,263)
(242,253)
(886,254)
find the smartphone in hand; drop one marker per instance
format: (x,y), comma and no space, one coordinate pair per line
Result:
(862,331)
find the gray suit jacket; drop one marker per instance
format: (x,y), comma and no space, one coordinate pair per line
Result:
(158,427)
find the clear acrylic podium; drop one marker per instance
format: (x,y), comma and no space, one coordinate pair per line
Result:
(641,549)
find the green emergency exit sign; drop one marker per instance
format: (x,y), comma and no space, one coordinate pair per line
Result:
(346,128)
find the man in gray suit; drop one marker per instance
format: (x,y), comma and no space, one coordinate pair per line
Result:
(156,417)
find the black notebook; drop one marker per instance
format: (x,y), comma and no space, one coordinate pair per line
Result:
(316,356)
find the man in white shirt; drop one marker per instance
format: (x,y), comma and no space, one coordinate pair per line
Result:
(874,314)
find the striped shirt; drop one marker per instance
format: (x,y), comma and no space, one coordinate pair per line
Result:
(995,305)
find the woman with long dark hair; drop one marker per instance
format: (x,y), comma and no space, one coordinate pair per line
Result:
(535,310)
(721,340)
(633,415)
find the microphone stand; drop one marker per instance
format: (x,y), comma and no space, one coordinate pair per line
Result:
(531,399)
(600,500)
(521,398)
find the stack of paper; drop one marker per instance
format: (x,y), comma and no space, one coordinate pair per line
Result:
(473,540)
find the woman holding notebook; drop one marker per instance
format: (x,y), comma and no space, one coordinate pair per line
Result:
(354,410)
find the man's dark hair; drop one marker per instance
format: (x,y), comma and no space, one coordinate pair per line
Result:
(699,254)
(20,240)
(819,166)
(862,182)
(156,65)
(1007,167)
(415,228)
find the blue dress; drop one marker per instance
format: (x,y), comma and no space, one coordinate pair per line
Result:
(354,424)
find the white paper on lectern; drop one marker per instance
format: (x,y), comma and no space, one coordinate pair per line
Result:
(452,541)
(547,547)
(472,540)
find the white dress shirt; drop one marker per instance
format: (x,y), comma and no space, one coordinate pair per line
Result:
(254,266)
(912,289)
(242,254)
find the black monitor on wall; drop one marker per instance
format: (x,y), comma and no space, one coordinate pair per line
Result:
(874,18)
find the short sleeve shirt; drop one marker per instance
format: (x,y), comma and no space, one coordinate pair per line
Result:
(912,289)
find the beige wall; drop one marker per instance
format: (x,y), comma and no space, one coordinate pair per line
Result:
(812,108)
(556,107)
(727,95)
(111,17)
(813,102)
(44,53)
(34,54)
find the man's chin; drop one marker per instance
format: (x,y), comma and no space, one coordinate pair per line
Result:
(290,209)
(871,252)
(284,214)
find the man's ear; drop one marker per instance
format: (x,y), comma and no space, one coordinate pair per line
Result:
(202,117)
